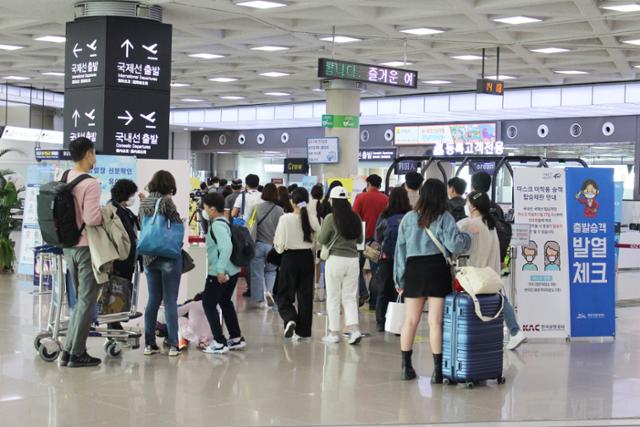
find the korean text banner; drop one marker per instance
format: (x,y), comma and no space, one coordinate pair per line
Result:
(542,278)
(110,169)
(590,214)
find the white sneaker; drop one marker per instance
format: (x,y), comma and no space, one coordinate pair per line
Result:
(216,348)
(236,344)
(298,338)
(150,350)
(331,339)
(290,329)
(516,340)
(270,301)
(174,352)
(355,338)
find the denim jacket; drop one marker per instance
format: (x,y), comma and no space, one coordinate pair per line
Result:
(413,241)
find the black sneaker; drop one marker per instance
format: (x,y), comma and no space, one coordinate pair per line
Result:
(290,329)
(83,361)
(380,327)
(64,358)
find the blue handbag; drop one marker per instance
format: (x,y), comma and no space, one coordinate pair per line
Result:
(160,237)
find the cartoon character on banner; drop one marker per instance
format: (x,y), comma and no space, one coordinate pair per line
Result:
(530,252)
(587,197)
(551,256)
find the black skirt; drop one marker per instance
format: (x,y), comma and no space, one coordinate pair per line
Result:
(427,276)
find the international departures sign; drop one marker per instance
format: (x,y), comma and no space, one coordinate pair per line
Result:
(118,73)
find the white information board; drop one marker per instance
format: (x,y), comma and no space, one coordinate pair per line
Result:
(323,150)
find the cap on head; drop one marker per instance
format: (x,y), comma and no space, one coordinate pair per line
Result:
(339,193)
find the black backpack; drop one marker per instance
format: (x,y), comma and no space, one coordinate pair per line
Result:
(244,248)
(503,228)
(390,237)
(57,212)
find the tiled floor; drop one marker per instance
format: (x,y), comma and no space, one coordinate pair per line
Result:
(282,383)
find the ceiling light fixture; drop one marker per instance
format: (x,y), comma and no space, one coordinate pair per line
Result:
(570,72)
(340,39)
(517,20)
(395,64)
(270,48)
(274,74)
(317,89)
(277,94)
(551,50)
(223,79)
(625,8)
(192,100)
(422,31)
(467,57)
(232,98)
(500,77)
(10,47)
(206,56)
(260,4)
(16,78)
(51,39)
(635,42)
(53,73)
(437,82)
(177,84)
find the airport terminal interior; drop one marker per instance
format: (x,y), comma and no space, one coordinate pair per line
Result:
(319,213)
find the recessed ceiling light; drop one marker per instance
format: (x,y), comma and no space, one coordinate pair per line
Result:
(422,31)
(223,79)
(53,73)
(17,78)
(317,89)
(232,98)
(177,84)
(551,50)
(570,72)
(517,20)
(10,47)
(467,57)
(192,100)
(51,39)
(260,4)
(270,48)
(274,74)
(277,94)
(437,82)
(206,56)
(633,42)
(396,64)
(500,77)
(630,7)
(340,39)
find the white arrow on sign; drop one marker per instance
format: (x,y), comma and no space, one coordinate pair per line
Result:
(128,117)
(153,48)
(149,117)
(93,46)
(76,49)
(91,114)
(127,45)
(75,118)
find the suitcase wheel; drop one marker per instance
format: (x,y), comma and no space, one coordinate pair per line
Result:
(502,380)
(469,385)
(446,381)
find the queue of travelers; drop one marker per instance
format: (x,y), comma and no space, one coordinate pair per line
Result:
(302,243)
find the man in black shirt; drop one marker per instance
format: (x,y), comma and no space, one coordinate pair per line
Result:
(457,187)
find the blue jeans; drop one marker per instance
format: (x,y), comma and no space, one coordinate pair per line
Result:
(263,274)
(510,317)
(163,282)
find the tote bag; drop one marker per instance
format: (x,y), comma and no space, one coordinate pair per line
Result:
(395,317)
(160,237)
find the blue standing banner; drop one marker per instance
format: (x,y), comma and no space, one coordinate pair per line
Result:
(591,228)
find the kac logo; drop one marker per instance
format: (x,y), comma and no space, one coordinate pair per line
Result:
(531,328)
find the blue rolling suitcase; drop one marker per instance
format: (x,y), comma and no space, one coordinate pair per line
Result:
(472,349)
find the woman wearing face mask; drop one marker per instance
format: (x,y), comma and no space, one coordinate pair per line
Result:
(551,256)
(485,252)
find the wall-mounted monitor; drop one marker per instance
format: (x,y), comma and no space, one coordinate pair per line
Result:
(323,150)
(464,139)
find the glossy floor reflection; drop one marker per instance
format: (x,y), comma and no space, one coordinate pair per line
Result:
(281,383)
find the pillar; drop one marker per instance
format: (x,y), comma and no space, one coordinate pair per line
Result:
(343,99)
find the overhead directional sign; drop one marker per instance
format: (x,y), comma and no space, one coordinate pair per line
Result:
(337,121)
(343,70)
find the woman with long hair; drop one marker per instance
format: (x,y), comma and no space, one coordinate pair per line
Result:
(421,271)
(294,239)
(386,236)
(341,231)
(325,206)
(284,201)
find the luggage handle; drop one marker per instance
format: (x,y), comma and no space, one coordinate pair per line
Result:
(478,310)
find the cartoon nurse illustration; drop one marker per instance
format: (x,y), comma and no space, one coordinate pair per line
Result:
(587,197)
(530,252)
(551,256)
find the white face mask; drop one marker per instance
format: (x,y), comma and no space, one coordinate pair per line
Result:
(590,195)
(205,215)
(529,258)
(552,259)
(467,210)
(131,201)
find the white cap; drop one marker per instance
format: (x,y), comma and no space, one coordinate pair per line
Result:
(339,193)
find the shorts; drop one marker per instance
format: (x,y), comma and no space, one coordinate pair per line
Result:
(427,276)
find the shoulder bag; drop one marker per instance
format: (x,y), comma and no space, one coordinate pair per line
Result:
(325,252)
(160,237)
(253,225)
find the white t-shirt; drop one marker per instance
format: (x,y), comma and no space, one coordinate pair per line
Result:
(252,198)
(485,246)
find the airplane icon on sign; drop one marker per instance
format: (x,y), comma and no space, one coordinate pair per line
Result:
(153,48)
(93,46)
(91,114)
(151,117)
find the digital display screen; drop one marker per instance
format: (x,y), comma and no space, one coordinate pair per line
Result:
(333,69)
(323,150)
(468,139)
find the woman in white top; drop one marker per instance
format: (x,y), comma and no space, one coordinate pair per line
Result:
(294,239)
(485,246)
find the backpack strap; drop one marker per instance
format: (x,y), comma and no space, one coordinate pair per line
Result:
(211,229)
(65,176)
(76,181)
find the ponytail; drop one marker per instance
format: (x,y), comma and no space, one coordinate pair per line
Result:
(482,203)
(489,220)
(306,224)
(300,197)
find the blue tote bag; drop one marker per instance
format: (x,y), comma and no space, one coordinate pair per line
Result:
(160,237)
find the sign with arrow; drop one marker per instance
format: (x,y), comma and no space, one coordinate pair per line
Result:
(127,118)
(126,45)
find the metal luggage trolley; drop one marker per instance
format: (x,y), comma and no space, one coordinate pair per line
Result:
(47,343)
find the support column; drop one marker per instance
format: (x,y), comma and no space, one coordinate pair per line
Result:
(343,99)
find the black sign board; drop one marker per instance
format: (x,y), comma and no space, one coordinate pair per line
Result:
(374,155)
(406,166)
(296,166)
(42,154)
(343,70)
(119,52)
(477,166)
(490,87)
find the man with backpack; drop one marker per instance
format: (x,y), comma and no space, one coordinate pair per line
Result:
(241,213)
(84,192)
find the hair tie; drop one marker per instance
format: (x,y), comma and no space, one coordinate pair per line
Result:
(302,205)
